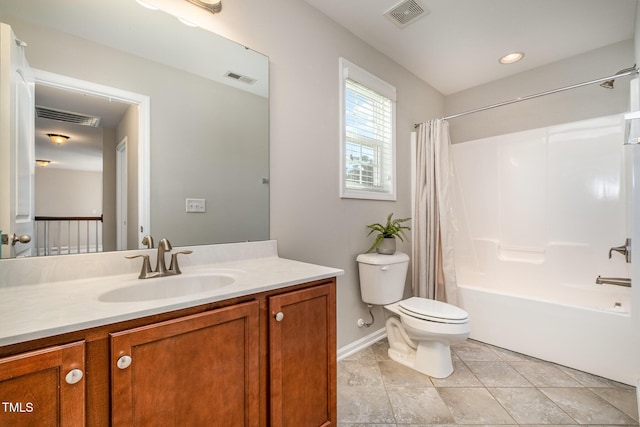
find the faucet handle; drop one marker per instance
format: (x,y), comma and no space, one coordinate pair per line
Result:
(145,272)
(624,250)
(174,267)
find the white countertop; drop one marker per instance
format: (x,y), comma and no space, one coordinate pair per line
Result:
(39,310)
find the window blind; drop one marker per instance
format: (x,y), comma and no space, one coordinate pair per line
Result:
(368,139)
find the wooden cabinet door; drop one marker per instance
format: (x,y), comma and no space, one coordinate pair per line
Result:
(303,357)
(44,387)
(199,370)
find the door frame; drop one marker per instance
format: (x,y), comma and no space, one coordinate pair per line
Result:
(143,102)
(121,195)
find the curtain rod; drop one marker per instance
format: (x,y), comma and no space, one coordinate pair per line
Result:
(634,70)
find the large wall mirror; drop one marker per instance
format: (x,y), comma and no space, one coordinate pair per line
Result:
(163,118)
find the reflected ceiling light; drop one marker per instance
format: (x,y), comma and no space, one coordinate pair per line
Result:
(213,6)
(58,139)
(43,163)
(511,58)
(146,5)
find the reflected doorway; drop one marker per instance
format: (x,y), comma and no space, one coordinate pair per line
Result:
(108,137)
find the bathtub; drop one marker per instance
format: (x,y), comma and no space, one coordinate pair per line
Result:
(580,325)
(535,213)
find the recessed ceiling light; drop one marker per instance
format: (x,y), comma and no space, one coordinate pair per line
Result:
(511,58)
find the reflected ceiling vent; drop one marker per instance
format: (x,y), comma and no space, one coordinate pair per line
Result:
(240,78)
(406,13)
(67,116)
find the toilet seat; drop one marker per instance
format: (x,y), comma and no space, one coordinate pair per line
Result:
(433,311)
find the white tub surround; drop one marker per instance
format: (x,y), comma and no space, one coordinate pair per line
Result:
(537,212)
(55,295)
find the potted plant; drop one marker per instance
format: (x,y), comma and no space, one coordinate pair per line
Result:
(385,242)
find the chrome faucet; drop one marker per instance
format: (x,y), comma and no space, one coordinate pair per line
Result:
(161,267)
(624,250)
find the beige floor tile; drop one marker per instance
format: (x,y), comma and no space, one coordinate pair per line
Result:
(418,405)
(365,425)
(589,380)
(397,375)
(374,391)
(474,351)
(530,406)
(544,374)
(461,377)
(497,374)
(586,407)
(356,373)
(381,350)
(624,399)
(364,355)
(362,404)
(508,355)
(474,406)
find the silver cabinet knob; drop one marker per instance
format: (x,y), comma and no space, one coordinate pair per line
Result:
(74,376)
(124,362)
(279,316)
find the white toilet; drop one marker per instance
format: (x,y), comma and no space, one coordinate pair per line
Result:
(420,331)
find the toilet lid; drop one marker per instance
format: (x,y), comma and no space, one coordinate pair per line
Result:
(436,311)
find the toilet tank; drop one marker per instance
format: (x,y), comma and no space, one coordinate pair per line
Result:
(382,277)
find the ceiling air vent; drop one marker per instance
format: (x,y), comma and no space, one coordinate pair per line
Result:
(240,78)
(67,116)
(406,12)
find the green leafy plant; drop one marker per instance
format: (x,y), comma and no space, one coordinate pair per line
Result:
(393,228)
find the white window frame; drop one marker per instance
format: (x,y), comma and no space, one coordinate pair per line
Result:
(351,71)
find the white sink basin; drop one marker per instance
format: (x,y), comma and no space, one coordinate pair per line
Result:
(170,286)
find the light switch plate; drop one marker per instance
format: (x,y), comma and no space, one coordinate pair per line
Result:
(196,205)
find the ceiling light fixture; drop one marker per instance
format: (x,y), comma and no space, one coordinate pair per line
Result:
(213,6)
(511,58)
(58,139)
(43,163)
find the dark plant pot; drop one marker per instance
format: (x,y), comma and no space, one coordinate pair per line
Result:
(387,246)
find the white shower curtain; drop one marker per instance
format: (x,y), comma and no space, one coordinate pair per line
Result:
(433,274)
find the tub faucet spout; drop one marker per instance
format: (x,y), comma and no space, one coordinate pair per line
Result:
(618,281)
(624,250)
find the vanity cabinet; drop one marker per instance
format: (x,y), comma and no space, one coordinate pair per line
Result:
(200,370)
(265,359)
(44,387)
(302,356)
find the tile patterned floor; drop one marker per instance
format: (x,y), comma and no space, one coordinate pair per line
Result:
(490,386)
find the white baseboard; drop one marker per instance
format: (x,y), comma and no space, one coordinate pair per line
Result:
(362,343)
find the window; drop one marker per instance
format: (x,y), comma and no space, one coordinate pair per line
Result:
(367,142)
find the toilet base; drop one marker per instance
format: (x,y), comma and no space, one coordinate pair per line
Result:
(432,358)
(429,357)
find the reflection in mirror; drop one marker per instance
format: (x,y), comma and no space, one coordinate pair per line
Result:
(206,138)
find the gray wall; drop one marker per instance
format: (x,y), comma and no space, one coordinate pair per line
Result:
(576,104)
(308,218)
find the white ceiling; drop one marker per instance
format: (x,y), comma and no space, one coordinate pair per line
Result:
(458,44)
